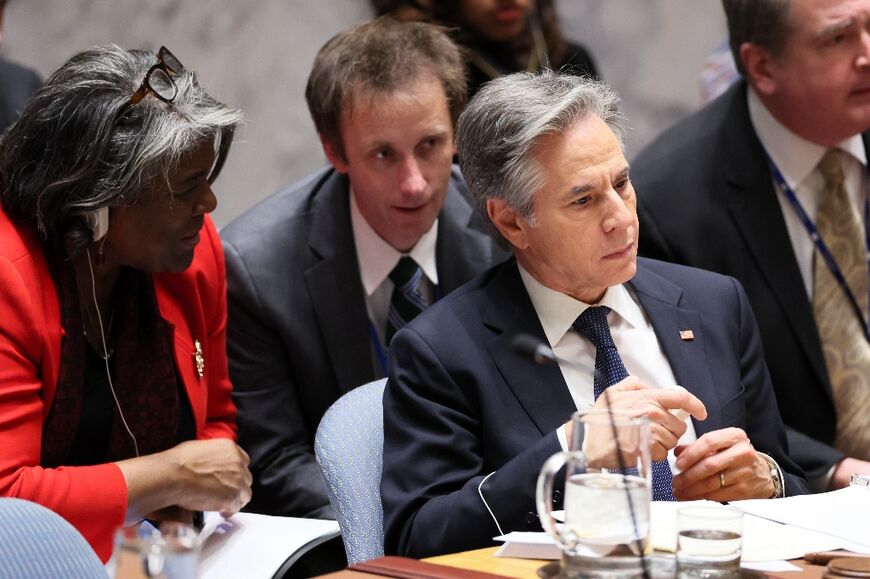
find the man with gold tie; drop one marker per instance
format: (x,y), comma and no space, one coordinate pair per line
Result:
(769,184)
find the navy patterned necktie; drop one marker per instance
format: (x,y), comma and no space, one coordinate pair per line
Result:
(407,301)
(609,369)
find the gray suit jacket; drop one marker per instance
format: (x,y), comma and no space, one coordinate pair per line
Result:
(706,199)
(298,334)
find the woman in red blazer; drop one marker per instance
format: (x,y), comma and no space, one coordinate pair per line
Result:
(114,396)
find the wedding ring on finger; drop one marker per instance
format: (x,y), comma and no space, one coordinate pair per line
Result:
(722,480)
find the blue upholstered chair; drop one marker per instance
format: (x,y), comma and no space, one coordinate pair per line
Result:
(37,542)
(349,449)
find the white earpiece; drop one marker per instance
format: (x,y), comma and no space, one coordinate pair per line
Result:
(98,222)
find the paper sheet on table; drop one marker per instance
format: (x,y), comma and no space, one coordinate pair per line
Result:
(763,540)
(844,514)
(770,566)
(256,546)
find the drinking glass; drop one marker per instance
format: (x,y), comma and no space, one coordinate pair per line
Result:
(144,552)
(180,549)
(709,542)
(607,496)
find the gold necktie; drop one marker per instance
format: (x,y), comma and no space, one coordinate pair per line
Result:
(846,350)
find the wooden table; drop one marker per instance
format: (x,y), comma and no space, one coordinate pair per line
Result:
(485,560)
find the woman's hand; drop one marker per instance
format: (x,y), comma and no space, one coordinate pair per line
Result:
(198,475)
(213,475)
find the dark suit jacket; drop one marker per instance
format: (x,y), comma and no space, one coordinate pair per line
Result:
(17,84)
(298,334)
(706,199)
(461,404)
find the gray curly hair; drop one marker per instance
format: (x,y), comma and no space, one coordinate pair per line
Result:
(70,153)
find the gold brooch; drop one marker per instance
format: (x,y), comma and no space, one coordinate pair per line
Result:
(199,359)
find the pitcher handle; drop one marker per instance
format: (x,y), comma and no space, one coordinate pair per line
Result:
(544,499)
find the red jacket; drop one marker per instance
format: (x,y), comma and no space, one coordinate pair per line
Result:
(94,498)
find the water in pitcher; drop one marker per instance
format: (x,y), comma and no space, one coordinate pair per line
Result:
(598,513)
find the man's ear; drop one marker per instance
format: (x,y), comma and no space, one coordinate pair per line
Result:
(333,154)
(757,62)
(508,222)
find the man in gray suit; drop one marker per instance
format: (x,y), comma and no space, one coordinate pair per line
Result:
(312,270)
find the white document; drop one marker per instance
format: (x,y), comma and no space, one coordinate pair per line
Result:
(256,546)
(764,541)
(770,566)
(843,514)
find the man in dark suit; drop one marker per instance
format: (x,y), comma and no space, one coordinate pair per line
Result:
(709,196)
(17,84)
(312,300)
(468,422)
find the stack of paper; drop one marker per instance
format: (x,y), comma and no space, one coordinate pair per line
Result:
(773,530)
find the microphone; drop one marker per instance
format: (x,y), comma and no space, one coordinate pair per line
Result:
(540,353)
(533,348)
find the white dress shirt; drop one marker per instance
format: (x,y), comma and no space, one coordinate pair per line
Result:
(797,160)
(632,333)
(377,258)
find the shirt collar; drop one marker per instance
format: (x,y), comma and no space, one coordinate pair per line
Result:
(557,311)
(377,258)
(794,156)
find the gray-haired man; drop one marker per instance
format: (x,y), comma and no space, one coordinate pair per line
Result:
(468,422)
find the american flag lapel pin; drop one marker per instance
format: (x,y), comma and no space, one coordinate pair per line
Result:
(198,358)
(687,335)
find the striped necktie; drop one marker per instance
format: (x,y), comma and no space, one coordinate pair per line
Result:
(407,300)
(609,369)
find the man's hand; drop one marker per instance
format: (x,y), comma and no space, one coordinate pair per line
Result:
(722,466)
(657,404)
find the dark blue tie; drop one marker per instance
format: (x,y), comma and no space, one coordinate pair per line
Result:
(407,301)
(609,369)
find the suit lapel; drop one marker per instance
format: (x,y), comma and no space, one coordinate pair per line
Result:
(688,358)
(540,389)
(757,215)
(463,248)
(335,288)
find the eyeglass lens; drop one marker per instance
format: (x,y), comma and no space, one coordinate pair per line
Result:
(161,84)
(170,61)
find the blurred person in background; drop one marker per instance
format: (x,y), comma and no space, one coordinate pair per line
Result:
(114,391)
(500,36)
(17,83)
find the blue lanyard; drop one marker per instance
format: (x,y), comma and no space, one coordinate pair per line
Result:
(380,349)
(822,247)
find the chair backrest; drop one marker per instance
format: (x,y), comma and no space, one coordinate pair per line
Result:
(349,448)
(37,542)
